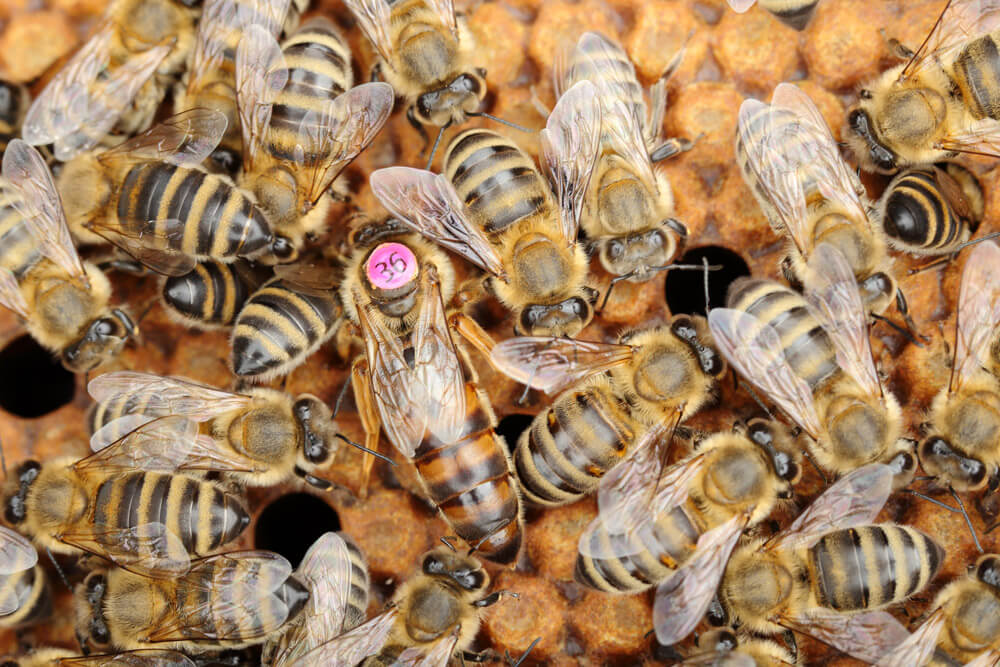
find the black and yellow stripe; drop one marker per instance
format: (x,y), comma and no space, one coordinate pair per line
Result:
(19,250)
(31,590)
(197,213)
(977,75)
(279,327)
(212,294)
(497,181)
(918,216)
(424,51)
(357,598)
(610,68)
(872,566)
(794,13)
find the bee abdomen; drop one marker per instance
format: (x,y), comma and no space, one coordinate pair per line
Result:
(794,13)
(872,566)
(977,73)
(357,598)
(19,251)
(212,293)
(917,215)
(31,591)
(199,214)
(279,327)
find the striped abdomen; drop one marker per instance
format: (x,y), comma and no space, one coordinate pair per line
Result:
(318,62)
(199,214)
(470,482)
(918,216)
(357,597)
(496,180)
(571,445)
(611,68)
(424,51)
(977,74)
(211,294)
(103,413)
(794,13)
(671,542)
(31,591)
(806,345)
(13,105)
(197,512)
(18,248)
(872,566)
(279,327)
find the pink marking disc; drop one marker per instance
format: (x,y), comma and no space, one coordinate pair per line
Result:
(391,265)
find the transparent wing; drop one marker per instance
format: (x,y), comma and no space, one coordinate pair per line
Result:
(553,364)
(140,658)
(980,137)
(149,549)
(438,654)
(445,10)
(683,599)
(428,204)
(184,139)
(152,246)
(978,313)
(37,201)
(16,552)
(867,636)
(960,22)
(853,500)
(233,586)
(740,6)
(373,17)
(261,74)
(990,658)
(351,648)
(10,293)
(622,131)
(832,292)
(87,97)
(918,647)
(163,396)
(754,350)
(329,139)
(569,146)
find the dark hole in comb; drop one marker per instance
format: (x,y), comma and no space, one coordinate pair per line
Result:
(686,289)
(291,524)
(32,381)
(512,426)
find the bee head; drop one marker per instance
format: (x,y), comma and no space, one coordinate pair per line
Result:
(451,103)
(92,628)
(465,571)
(25,475)
(318,431)
(102,340)
(940,459)
(867,146)
(988,570)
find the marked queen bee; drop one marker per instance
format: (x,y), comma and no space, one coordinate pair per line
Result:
(940,102)
(62,300)
(811,356)
(494,209)
(828,575)
(25,597)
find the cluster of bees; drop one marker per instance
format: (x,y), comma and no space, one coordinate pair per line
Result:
(226,199)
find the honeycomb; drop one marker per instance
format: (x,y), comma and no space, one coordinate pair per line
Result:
(727,58)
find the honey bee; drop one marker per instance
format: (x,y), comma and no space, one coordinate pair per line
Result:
(811,356)
(261,437)
(25,597)
(118,77)
(224,601)
(49,657)
(931,210)
(425,52)
(809,194)
(150,197)
(939,103)
(14,101)
(961,449)
(302,122)
(828,575)
(281,325)
(62,300)
(212,294)
(609,394)
(72,507)
(421,389)
(793,13)
(963,628)
(210,78)
(493,208)
(651,518)
(723,648)
(628,211)
(336,575)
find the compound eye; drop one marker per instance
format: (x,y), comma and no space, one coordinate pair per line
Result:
(283,248)
(14,513)
(105,328)
(302,409)
(99,632)
(616,249)
(473,580)
(988,570)
(432,565)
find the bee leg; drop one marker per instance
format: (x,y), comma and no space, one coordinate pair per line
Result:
(670,148)
(472,332)
(793,646)
(905,312)
(369,419)
(477,658)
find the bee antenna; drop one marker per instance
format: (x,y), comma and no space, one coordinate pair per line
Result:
(524,655)
(3,461)
(704,263)
(508,123)
(437,142)
(657,269)
(991,235)
(447,541)
(968,521)
(62,575)
(935,501)
(365,449)
(340,396)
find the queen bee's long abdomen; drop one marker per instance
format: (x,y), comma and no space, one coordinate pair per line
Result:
(496,180)
(470,482)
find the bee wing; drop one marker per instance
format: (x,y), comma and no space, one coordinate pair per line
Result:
(37,201)
(959,22)
(552,364)
(445,10)
(221,24)
(832,293)
(261,74)
(853,500)
(428,204)
(682,600)
(867,636)
(184,139)
(438,654)
(160,396)
(373,17)
(309,278)
(86,98)
(16,552)
(352,647)
(331,138)
(740,6)
(978,313)
(10,293)
(149,549)
(990,658)
(753,348)
(150,246)
(569,146)
(139,658)
(237,585)
(623,130)
(918,647)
